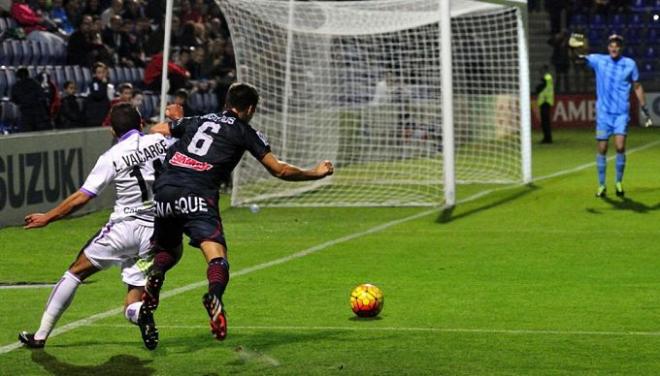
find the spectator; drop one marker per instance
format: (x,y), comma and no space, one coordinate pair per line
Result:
(189,36)
(59,16)
(93,8)
(113,36)
(188,14)
(138,98)
(99,52)
(74,12)
(80,43)
(36,28)
(154,43)
(177,75)
(125,96)
(131,53)
(29,97)
(70,115)
(97,103)
(116,9)
(194,65)
(133,10)
(50,93)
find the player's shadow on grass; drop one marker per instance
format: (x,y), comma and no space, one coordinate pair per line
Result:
(119,365)
(447,215)
(629,204)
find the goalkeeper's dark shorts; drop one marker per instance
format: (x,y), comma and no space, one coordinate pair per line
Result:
(181,211)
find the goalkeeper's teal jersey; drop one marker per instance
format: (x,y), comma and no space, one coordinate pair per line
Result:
(614,79)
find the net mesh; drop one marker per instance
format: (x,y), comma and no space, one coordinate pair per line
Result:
(358,83)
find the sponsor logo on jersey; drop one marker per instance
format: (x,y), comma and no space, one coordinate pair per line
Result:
(182,160)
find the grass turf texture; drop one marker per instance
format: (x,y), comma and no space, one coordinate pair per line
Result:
(543,279)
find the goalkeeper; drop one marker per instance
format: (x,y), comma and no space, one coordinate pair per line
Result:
(615,74)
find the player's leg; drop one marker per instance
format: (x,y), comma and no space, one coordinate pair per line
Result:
(620,131)
(603,133)
(204,228)
(217,273)
(61,296)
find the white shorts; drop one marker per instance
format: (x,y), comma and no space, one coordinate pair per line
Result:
(126,244)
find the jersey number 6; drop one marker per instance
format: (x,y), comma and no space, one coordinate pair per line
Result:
(202,141)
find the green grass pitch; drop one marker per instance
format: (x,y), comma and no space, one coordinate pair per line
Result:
(542,279)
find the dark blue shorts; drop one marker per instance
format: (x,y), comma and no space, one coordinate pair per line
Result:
(181,211)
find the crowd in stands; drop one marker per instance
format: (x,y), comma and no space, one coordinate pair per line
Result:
(66,62)
(638,21)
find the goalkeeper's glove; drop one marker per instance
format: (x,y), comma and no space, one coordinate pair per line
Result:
(648,122)
(576,40)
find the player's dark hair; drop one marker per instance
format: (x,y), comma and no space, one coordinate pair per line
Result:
(615,38)
(241,96)
(124,117)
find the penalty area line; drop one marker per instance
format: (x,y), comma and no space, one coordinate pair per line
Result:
(411,329)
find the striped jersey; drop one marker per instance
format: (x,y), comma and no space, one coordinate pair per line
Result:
(614,79)
(131,164)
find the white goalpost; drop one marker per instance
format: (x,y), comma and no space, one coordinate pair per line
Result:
(407,97)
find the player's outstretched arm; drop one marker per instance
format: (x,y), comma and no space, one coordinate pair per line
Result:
(66,207)
(285,171)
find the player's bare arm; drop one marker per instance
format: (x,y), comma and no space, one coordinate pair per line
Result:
(286,171)
(66,207)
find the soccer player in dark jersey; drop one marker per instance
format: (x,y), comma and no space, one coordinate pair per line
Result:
(186,193)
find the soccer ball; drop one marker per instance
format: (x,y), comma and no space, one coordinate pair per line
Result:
(367,300)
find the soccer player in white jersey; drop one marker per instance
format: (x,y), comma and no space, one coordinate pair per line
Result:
(125,240)
(615,76)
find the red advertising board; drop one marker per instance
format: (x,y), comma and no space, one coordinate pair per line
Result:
(577,111)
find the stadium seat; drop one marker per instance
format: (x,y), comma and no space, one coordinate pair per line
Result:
(652,36)
(3,83)
(16,52)
(87,76)
(11,23)
(632,37)
(10,113)
(78,75)
(618,21)
(630,51)
(11,80)
(211,102)
(3,25)
(60,53)
(32,71)
(47,54)
(638,5)
(635,21)
(650,52)
(656,6)
(597,21)
(578,21)
(140,74)
(196,102)
(69,75)
(146,108)
(5,53)
(112,76)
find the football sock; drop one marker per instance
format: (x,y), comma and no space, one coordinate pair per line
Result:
(132,312)
(601,165)
(218,275)
(59,300)
(164,261)
(620,166)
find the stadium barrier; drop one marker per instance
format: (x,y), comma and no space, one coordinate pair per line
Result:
(38,170)
(578,111)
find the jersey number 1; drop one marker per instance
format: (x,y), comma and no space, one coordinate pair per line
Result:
(201,142)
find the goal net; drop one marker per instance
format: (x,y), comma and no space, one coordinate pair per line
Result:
(359,83)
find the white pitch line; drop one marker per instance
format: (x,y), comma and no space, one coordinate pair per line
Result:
(89,320)
(16,287)
(412,329)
